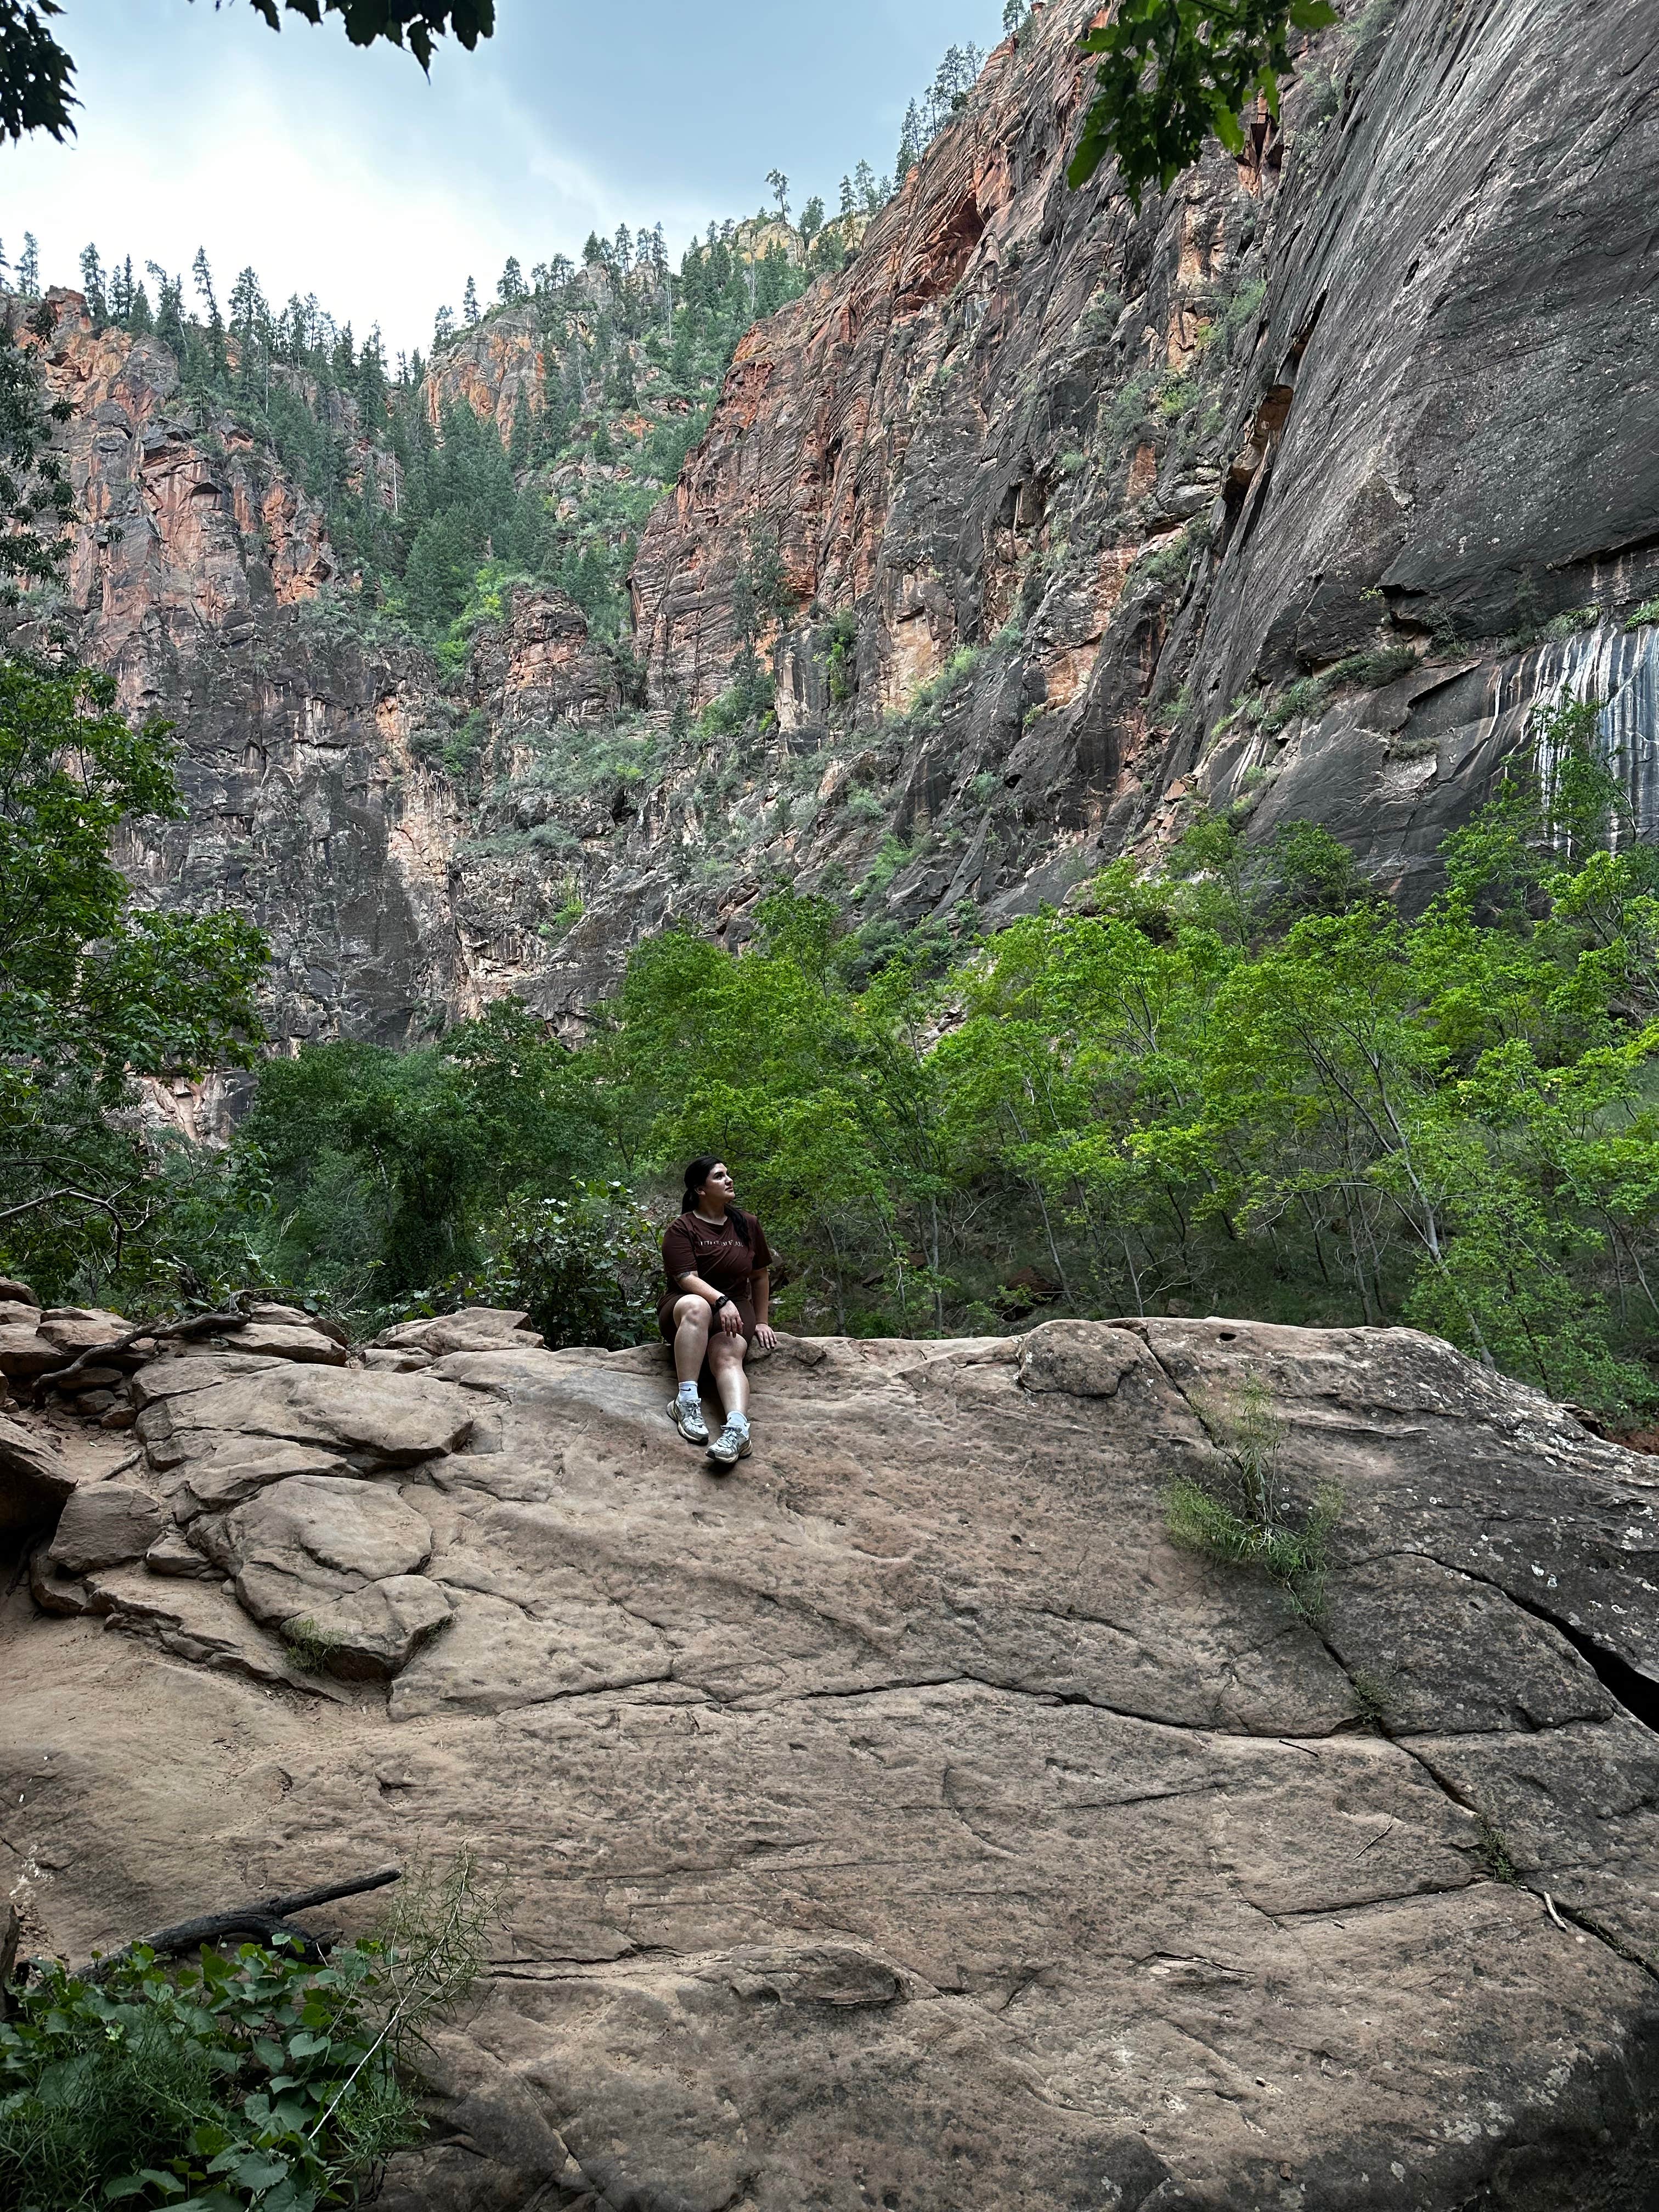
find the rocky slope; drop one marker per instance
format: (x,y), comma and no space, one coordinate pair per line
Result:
(1293,491)
(904,1821)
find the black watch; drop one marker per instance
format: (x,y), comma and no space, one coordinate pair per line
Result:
(720,1304)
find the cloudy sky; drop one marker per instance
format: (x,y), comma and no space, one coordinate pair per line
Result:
(349,175)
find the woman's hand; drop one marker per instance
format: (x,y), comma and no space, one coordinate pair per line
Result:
(731,1320)
(766,1336)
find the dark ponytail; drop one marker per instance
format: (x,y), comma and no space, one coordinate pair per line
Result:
(696,1174)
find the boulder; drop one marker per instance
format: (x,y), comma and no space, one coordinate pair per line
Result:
(104,1525)
(24,1351)
(55,1591)
(911,1789)
(305,1542)
(389,1419)
(297,1317)
(15,1314)
(372,1634)
(92,1378)
(172,1554)
(82,1328)
(474,1328)
(228,1469)
(12,1292)
(34,1482)
(283,1340)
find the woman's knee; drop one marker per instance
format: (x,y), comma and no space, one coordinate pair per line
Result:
(726,1351)
(692,1311)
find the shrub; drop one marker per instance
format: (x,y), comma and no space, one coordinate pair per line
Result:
(840,653)
(257,2080)
(586,1268)
(1245,1517)
(1647,613)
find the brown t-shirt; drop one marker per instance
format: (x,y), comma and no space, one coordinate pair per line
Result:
(691,1247)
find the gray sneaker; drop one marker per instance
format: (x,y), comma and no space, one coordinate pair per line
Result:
(689,1420)
(730,1446)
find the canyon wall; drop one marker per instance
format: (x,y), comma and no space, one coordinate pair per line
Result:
(1292,491)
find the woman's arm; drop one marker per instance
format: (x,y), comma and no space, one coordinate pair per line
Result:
(728,1316)
(762,1282)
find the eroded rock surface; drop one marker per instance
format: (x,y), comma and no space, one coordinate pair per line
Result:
(904,1821)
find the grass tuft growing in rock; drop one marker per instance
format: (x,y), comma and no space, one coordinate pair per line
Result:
(1242,1514)
(309,1647)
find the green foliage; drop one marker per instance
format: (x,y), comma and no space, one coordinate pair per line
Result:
(586,1268)
(840,653)
(378,1169)
(308,1647)
(1173,71)
(1648,613)
(1243,1514)
(257,2080)
(36,73)
(1199,1520)
(1491,1849)
(92,994)
(36,501)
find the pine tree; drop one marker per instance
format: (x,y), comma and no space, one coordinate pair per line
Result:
(216,326)
(29,268)
(443,328)
(522,448)
(847,196)
(510,286)
(92,283)
(140,321)
(780,188)
(470,301)
(911,144)
(864,183)
(373,396)
(811,221)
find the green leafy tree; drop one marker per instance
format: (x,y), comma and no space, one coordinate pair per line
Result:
(37,504)
(37,74)
(1173,71)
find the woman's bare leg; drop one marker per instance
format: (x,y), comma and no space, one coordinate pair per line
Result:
(726,1356)
(691,1315)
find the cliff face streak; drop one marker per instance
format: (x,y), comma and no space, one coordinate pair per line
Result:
(1294,491)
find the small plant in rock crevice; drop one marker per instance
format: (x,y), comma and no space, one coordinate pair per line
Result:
(1243,1513)
(1491,1849)
(309,1647)
(1373,1695)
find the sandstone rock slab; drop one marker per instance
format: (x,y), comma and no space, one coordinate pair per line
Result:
(391,1420)
(306,1541)
(371,1634)
(283,1340)
(34,1480)
(25,1352)
(104,1525)
(474,1328)
(912,1791)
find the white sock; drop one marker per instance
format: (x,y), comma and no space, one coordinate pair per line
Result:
(739,1421)
(688,1393)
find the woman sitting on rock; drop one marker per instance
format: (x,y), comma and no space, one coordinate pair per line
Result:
(717,1261)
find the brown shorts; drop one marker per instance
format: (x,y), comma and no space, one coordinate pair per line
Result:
(743,1300)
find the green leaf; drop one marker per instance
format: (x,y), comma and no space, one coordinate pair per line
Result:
(1227,129)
